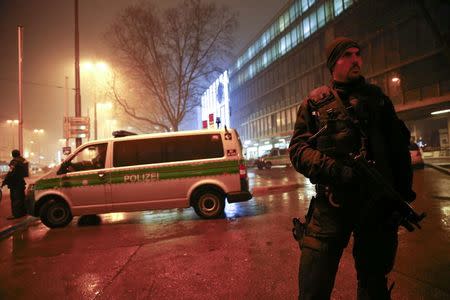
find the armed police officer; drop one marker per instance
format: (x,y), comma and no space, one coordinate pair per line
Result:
(14,179)
(348,117)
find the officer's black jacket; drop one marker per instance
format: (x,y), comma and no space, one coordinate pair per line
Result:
(388,137)
(15,177)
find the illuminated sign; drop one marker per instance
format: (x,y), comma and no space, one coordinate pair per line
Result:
(76,127)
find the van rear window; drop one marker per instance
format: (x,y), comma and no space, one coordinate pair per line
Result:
(168,149)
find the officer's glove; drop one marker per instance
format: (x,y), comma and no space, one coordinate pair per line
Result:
(341,173)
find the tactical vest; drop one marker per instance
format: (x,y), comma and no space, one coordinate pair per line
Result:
(338,137)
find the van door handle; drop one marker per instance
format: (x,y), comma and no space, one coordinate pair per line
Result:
(101,175)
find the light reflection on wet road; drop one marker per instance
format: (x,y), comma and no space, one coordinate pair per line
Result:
(251,247)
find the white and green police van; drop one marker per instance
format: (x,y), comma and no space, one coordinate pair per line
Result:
(144,172)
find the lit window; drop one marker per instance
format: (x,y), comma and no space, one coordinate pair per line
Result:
(293,13)
(287,19)
(298,7)
(304,5)
(252,70)
(288,41)
(306,29)
(264,59)
(299,31)
(328,11)
(283,45)
(347,3)
(313,21)
(265,38)
(338,7)
(321,16)
(281,25)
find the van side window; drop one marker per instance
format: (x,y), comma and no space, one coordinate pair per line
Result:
(137,152)
(194,147)
(160,150)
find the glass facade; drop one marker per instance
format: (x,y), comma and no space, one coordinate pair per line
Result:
(305,18)
(287,61)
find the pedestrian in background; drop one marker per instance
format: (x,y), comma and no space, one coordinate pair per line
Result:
(14,179)
(333,123)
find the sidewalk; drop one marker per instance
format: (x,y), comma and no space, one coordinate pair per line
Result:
(439,163)
(8,227)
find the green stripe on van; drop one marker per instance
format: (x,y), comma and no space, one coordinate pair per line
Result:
(44,184)
(152,174)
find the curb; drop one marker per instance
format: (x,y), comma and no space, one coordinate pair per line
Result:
(7,231)
(441,169)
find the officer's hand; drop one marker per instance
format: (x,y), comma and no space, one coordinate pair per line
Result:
(346,174)
(342,173)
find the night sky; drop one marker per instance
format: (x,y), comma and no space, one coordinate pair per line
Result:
(49,50)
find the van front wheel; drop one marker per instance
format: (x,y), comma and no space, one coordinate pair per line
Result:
(55,214)
(209,204)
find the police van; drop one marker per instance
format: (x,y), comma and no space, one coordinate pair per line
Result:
(144,172)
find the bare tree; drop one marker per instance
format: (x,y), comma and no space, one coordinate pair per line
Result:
(170,58)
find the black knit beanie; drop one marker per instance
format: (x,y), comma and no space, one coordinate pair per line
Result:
(15,153)
(336,48)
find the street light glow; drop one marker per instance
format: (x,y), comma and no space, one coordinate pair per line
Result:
(102,66)
(106,105)
(440,112)
(395,79)
(87,66)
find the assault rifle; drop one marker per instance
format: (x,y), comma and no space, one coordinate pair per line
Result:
(380,189)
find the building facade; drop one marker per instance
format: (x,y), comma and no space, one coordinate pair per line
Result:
(405,49)
(215,104)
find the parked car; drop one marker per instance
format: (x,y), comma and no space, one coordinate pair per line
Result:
(416,156)
(274,157)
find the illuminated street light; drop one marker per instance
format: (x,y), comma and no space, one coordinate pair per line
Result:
(11,124)
(97,74)
(39,132)
(444,111)
(395,79)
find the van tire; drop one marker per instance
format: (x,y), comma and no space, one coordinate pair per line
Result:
(268,165)
(209,204)
(55,214)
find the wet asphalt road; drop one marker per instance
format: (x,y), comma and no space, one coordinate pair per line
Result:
(249,254)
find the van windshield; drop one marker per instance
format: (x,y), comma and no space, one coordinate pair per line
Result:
(88,158)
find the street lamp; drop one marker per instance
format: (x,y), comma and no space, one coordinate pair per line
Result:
(11,124)
(39,132)
(98,73)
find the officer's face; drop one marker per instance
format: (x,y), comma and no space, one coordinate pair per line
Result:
(348,66)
